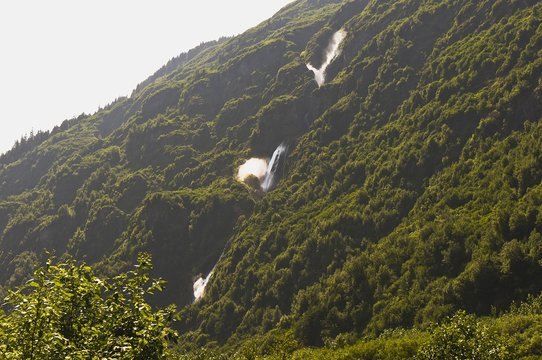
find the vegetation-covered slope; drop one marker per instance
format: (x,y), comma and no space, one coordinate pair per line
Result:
(412,187)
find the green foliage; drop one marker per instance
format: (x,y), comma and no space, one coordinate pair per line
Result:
(532,306)
(396,344)
(412,187)
(66,311)
(464,337)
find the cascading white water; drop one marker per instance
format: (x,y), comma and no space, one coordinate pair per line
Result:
(332,50)
(270,174)
(199,286)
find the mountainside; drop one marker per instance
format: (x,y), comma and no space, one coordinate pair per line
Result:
(410,185)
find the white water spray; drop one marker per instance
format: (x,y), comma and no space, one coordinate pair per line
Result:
(199,286)
(332,50)
(254,166)
(270,174)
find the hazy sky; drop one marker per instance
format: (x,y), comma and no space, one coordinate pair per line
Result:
(60,58)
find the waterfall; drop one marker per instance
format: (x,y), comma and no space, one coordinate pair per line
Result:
(199,286)
(331,53)
(271,173)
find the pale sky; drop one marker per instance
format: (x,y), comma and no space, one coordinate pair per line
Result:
(60,58)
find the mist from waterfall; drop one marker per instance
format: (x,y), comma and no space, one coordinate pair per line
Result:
(331,52)
(254,166)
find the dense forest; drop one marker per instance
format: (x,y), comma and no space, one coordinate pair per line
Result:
(406,209)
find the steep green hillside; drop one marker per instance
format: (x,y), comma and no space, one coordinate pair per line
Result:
(411,189)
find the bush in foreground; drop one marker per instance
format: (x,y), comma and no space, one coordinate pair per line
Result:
(67,312)
(464,337)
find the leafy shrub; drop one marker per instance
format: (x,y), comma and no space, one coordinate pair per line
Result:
(464,337)
(67,312)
